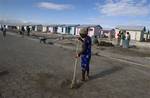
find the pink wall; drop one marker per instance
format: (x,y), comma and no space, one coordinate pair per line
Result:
(116,33)
(90,32)
(77,31)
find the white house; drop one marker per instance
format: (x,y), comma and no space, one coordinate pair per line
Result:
(61,29)
(52,28)
(11,27)
(71,29)
(136,32)
(67,29)
(41,28)
(147,35)
(18,27)
(2,25)
(92,29)
(107,33)
(34,28)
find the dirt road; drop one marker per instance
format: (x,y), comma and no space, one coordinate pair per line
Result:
(33,70)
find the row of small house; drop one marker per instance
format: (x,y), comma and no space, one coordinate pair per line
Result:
(137,33)
(69,29)
(62,29)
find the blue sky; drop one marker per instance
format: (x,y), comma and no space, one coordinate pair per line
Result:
(107,13)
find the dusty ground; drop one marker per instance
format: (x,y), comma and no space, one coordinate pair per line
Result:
(133,51)
(33,70)
(137,52)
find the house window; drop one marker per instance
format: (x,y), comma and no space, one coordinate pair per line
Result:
(90,29)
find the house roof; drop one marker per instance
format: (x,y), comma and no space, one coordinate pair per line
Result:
(54,25)
(135,28)
(84,26)
(61,25)
(69,25)
(72,25)
(107,29)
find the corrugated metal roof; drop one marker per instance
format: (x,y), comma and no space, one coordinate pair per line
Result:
(70,25)
(54,25)
(107,29)
(85,26)
(135,28)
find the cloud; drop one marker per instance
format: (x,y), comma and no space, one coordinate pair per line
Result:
(124,8)
(112,22)
(54,6)
(11,21)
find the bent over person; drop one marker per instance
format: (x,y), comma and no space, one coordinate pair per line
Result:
(85,53)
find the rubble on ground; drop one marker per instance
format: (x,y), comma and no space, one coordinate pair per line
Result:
(107,44)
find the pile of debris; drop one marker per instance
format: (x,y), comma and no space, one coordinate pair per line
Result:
(106,44)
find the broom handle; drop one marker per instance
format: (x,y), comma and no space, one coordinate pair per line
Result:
(75,65)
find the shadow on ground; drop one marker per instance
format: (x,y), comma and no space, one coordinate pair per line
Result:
(51,82)
(106,72)
(5,72)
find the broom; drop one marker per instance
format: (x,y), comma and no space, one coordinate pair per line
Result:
(73,84)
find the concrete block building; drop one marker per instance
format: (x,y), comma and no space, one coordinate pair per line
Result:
(136,32)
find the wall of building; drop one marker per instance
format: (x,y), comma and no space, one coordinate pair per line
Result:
(35,28)
(44,29)
(50,29)
(77,31)
(59,30)
(64,30)
(135,35)
(39,28)
(116,33)
(73,30)
(97,31)
(91,31)
(18,27)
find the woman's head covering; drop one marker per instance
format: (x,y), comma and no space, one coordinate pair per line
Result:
(84,31)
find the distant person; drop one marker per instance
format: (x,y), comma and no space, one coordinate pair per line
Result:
(110,35)
(28,31)
(95,41)
(122,44)
(85,53)
(118,38)
(127,40)
(4,31)
(1,28)
(22,31)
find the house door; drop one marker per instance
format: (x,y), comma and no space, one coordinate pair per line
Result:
(55,29)
(69,30)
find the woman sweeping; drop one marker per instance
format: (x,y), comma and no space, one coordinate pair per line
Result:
(85,53)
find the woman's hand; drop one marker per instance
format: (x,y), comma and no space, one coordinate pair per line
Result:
(80,39)
(77,55)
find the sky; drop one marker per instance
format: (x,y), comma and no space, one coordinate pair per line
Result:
(107,13)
